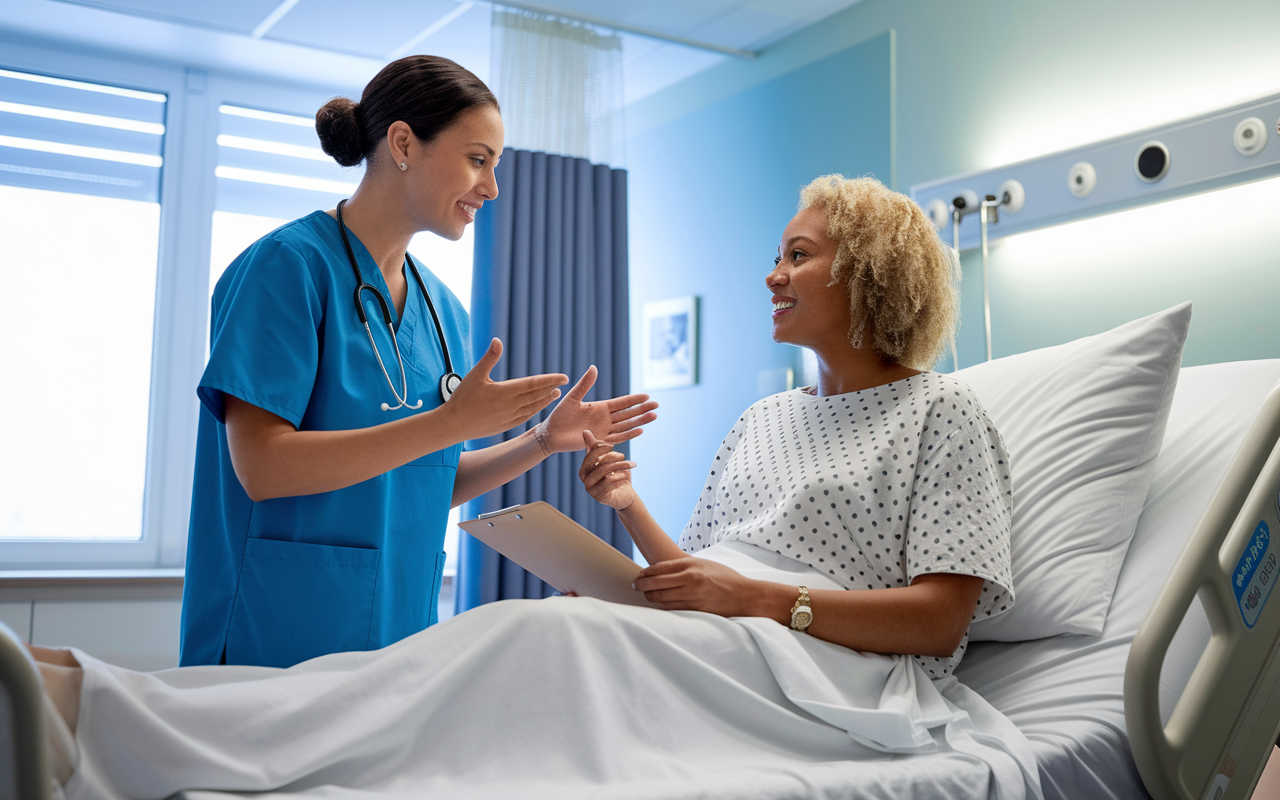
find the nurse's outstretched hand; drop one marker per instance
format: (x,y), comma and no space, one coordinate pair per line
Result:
(612,421)
(485,407)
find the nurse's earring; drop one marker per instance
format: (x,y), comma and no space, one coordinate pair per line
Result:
(403,166)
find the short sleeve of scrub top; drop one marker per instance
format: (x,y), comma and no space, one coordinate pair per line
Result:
(277,582)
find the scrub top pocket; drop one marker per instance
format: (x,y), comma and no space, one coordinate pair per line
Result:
(298,600)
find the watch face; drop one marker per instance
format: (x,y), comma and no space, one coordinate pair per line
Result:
(801,617)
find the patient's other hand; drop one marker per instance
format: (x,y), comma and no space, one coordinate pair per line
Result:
(606,473)
(696,584)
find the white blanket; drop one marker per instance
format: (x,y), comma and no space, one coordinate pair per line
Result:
(558,698)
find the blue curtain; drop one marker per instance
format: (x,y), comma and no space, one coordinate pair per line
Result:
(550,281)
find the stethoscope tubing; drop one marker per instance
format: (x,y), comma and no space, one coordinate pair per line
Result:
(449,382)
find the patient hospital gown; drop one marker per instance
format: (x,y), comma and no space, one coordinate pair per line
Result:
(872,488)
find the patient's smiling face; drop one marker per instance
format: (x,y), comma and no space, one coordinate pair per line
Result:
(808,310)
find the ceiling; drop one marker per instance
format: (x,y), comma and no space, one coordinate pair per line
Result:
(340,43)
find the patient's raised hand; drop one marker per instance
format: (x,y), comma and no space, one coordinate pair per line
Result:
(606,473)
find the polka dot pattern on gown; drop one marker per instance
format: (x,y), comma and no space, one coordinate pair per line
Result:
(873,488)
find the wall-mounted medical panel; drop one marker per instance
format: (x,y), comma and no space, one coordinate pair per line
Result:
(1223,148)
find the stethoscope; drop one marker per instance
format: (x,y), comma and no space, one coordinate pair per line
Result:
(449,383)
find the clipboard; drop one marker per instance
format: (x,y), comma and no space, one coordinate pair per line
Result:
(559,551)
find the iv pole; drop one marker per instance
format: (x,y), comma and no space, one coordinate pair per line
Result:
(964,203)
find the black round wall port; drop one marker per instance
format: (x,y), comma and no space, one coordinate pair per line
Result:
(1152,162)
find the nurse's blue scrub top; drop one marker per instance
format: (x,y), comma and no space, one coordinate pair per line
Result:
(281,581)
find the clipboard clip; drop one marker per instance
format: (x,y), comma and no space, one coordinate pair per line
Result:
(499,512)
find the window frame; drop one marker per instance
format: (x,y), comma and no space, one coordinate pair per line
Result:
(180,327)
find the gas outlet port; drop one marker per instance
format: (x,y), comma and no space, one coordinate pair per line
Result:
(1152,161)
(1081,178)
(1250,136)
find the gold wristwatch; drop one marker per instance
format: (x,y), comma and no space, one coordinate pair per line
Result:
(801,612)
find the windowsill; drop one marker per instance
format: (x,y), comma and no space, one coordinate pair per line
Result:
(102,584)
(91,584)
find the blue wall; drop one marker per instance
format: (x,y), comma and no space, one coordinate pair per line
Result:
(962,87)
(980,85)
(710,192)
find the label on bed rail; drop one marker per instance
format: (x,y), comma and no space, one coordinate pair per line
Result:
(1255,575)
(1222,780)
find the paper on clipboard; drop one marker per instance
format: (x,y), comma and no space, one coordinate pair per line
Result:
(559,551)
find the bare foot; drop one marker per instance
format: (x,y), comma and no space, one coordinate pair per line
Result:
(50,655)
(1269,784)
(62,677)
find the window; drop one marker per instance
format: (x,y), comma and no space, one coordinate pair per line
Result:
(270,170)
(80,170)
(125,191)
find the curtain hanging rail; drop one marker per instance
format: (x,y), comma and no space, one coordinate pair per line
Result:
(604,23)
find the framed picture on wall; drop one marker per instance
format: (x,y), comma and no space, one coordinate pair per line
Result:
(670,335)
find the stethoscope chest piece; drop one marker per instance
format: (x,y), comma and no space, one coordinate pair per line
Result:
(449,384)
(451,380)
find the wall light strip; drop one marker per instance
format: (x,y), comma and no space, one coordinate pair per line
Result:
(281,179)
(267,116)
(119,123)
(100,153)
(1143,233)
(153,97)
(278,148)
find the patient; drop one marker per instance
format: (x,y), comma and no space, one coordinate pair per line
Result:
(883,477)
(883,490)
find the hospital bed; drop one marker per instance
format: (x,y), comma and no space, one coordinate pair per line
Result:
(1068,694)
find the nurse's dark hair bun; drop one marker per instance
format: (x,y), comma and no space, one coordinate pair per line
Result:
(338,125)
(426,92)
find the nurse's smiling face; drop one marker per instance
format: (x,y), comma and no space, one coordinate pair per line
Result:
(450,178)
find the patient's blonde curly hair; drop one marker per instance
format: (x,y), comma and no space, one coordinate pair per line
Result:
(901,277)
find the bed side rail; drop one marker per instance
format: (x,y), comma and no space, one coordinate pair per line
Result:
(1221,732)
(29,774)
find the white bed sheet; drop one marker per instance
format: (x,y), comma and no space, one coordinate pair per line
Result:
(559,698)
(1066,694)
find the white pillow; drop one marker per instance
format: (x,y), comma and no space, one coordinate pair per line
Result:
(1083,423)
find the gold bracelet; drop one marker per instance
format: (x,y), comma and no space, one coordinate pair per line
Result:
(540,434)
(802,611)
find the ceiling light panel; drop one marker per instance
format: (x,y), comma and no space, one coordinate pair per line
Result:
(672,17)
(338,26)
(749,26)
(238,16)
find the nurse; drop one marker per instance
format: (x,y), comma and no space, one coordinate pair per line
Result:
(330,449)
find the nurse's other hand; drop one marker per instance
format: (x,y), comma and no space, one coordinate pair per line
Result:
(484,407)
(606,473)
(612,421)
